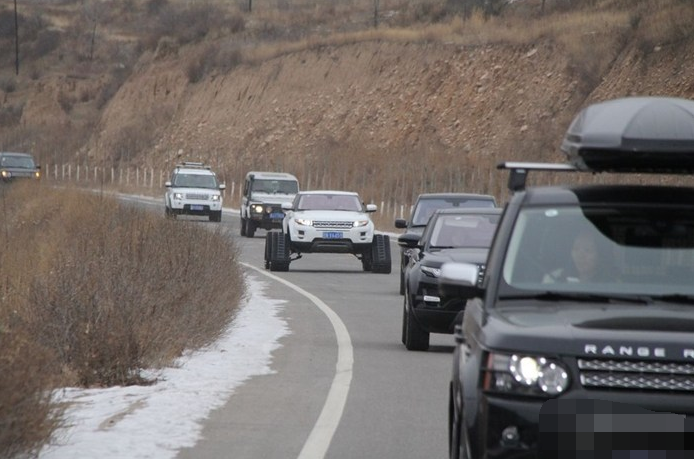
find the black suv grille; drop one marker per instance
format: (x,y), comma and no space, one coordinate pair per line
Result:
(636,375)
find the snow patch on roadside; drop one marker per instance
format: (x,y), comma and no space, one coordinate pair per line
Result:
(156,421)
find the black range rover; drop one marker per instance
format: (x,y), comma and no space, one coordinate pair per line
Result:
(588,293)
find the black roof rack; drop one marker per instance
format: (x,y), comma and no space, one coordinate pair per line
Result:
(519,171)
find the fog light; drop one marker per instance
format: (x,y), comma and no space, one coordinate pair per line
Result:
(510,437)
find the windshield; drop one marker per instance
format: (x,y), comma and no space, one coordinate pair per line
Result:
(632,250)
(275,186)
(455,231)
(426,207)
(329,202)
(195,181)
(23,162)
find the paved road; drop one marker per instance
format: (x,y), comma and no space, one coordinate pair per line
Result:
(396,401)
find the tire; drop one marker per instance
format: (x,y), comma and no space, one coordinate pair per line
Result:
(250,228)
(457,436)
(268,249)
(279,252)
(216,216)
(380,254)
(402,280)
(367,260)
(416,339)
(243,226)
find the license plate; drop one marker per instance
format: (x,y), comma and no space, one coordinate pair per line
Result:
(275,215)
(333,235)
(196,207)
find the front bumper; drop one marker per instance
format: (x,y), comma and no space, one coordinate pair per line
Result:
(434,313)
(498,414)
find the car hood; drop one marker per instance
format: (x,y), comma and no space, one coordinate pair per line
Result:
(195,190)
(331,215)
(592,330)
(272,198)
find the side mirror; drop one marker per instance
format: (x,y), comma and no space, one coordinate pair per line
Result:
(287,206)
(400,223)
(371,207)
(408,240)
(222,186)
(167,184)
(459,280)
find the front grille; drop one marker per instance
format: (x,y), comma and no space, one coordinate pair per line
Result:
(333,224)
(197,196)
(636,375)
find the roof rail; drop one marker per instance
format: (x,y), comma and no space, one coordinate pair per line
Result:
(193,164)
(519,171)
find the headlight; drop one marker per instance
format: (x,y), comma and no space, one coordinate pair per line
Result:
(178,195)
(359,223)
(525,375)
(6,174)
(215,197)
(431,272)
(37,174)
(304,222)
(257,208)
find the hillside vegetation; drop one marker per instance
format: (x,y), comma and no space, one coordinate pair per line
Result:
(410,97)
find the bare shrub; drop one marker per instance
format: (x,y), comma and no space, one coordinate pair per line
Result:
(123,290)
(46,42)
(8,84)
(10,115)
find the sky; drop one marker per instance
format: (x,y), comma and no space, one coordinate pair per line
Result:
(156,421)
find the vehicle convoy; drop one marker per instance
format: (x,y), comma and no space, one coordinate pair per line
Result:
(587,294)
(17,166)
(424,206)
(263,196)
(458,234)
(193,189)
(327,222)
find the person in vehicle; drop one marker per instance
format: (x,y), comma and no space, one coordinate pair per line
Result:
(585,262)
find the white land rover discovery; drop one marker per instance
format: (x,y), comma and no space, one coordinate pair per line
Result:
(193,190)
(328,222)
(263,196)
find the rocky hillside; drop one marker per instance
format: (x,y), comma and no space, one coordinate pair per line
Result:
(389,117)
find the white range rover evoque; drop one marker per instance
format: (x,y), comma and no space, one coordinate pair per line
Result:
(327,222)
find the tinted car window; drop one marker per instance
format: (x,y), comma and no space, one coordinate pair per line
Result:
(644,250)
(427,207)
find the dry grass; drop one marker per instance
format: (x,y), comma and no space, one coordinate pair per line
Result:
(93,291)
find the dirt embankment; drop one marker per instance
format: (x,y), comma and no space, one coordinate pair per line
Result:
(375,111)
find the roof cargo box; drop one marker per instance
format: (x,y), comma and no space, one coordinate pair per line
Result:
(633,134)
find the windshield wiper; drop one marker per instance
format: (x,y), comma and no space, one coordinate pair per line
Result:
(675,298)
(576,296)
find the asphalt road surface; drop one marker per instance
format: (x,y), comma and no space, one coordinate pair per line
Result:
(343,386)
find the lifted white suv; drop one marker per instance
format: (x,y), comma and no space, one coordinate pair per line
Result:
(193,190)
(328,222)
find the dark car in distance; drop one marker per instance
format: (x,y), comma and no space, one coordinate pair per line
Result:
(18,165)
(424,206)
(460,235)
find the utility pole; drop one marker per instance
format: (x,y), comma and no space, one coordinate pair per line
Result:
(16,39)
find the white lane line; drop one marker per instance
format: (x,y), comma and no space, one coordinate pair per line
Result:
(319,439)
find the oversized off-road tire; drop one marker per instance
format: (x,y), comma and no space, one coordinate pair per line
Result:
(380,254)
(250,228)
(279,251)
(416,339)
(367,260)
(243,226)
(216,216)
(268,248)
